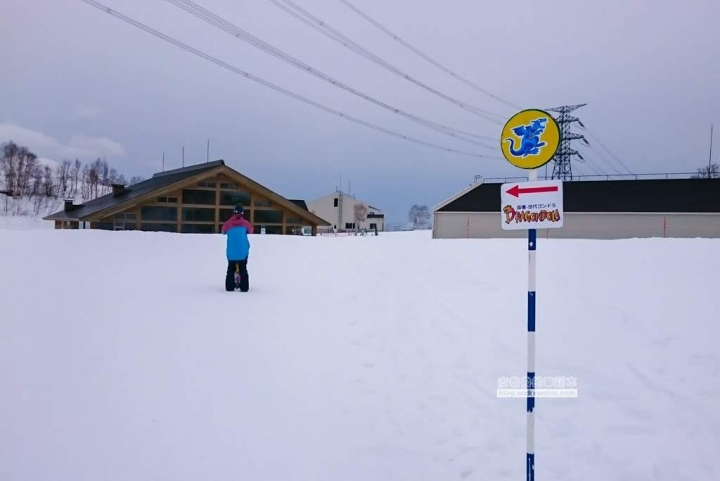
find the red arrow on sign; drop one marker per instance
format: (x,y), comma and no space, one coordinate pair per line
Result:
(516,190)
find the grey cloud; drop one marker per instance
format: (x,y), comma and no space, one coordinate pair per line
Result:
(646,68)
(77,147)
(86,112)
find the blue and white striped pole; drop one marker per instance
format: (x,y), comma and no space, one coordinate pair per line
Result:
(532,248)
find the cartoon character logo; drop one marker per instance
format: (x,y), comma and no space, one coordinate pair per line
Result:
(530,139)
(529,134)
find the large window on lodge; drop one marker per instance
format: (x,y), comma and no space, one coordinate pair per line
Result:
(158,213)
(230,196)
(198,214)
(267,216)
(235,197)
(198,197)
(225,214)
(271,229)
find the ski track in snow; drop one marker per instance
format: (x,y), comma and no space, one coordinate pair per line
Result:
(360,358)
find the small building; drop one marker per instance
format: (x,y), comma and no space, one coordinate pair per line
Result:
(345,212)
(193,199)
(594,209)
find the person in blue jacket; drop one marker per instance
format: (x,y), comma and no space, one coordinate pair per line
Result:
(237,228)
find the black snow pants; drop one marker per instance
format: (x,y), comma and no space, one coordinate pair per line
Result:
(230,276)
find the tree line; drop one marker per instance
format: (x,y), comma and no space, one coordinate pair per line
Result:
(24,177)
(711,171)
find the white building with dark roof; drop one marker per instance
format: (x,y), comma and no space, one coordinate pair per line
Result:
(594,209)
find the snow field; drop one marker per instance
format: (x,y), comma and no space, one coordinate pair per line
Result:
(354,358)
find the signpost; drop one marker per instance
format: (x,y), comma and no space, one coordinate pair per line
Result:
(532,205)
(528,141)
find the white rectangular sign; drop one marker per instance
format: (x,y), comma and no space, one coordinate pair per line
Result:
(532,205)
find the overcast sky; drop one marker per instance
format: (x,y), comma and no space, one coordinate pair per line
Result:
(79,83)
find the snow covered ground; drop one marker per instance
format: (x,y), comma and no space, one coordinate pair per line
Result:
(23,222)
(353,358)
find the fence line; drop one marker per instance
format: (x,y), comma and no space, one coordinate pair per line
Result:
(663,175)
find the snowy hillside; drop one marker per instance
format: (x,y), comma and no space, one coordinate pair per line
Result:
(353,358)
(29,209)
(35,187)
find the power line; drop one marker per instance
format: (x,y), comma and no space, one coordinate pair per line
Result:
(582,171)
(324,28)
(594,137)
(223,24)
(247,75)
(397,38)
(602,157)
(595,166)
(421,54)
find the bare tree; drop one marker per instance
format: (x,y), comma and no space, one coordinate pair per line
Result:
(85,182)
(76,175)
(419,217)
(35,184)
(360,212)
(62,174)
(8,164)
(104,175)
(93,178)
(49,186)
(25,178)
(136,179)
(113,176)
(17,165)
(711,171)
(30,175)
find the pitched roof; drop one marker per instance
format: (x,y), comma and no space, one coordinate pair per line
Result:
(157,181)
(300,203)
(161,180)
(444,203)
(193,169)
(641,195)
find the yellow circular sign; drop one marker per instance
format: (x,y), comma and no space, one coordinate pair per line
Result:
(530,139)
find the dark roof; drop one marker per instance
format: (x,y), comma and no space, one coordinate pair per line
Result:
(191,170)
(156,182)
(643,195)
(300,203)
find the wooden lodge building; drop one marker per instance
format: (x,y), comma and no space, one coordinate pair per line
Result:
(194,199)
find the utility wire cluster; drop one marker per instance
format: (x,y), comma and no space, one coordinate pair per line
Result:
(326,29)
(221,23)
(264,82)
(301,14)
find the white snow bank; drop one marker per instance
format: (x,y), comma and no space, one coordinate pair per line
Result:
(23,222)
(354,359)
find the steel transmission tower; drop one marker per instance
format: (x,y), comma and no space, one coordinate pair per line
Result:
(562,168)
